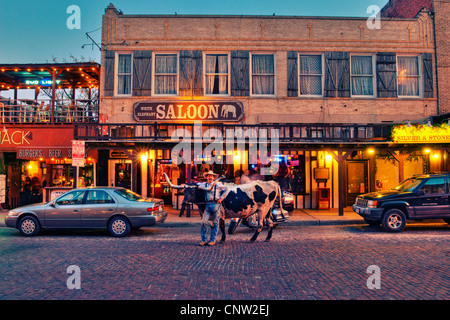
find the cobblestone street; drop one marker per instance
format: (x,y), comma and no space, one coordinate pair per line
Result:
(165,263)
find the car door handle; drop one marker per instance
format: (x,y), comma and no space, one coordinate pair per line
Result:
(110,209)
(75,210)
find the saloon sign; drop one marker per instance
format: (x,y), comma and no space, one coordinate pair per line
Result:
(191,110)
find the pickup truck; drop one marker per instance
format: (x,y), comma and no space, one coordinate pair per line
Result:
(420,197)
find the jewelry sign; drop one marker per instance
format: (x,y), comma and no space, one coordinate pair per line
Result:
(189,110)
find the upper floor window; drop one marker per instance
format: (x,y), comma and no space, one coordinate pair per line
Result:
(216,74)
(124,74)
(311,75)
(263,74)
(362,75)
(166,74)
(408,76)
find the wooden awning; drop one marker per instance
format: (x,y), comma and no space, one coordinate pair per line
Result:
(39,76)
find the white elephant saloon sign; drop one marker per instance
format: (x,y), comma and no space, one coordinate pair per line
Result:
(188,110)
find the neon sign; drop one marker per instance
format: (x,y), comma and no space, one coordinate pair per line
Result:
(43,82)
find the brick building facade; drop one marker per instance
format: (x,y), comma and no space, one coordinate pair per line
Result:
(439,11)
(332,87)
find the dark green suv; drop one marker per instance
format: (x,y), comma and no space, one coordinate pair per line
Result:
(420,197)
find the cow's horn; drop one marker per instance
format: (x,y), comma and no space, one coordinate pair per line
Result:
(171,184)
(211,186)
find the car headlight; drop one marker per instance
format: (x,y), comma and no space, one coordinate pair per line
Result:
(12,213)
(372,204)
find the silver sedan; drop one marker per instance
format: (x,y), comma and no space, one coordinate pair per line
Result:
(115,209)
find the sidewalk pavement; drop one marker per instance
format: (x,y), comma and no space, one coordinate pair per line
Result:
(297,217)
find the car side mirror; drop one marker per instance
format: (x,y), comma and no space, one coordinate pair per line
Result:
(421,192)
(53,204)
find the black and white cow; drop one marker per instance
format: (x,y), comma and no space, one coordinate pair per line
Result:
(241,201)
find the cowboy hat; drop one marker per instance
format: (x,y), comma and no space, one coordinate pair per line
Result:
(210,173)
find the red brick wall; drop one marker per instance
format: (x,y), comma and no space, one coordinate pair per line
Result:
(442,12)
(404,8)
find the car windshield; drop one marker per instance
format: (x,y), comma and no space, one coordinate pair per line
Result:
(129,195)
(409,184)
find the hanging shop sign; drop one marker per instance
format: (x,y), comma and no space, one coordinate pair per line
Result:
(34,143)
(421,134)
(187,111)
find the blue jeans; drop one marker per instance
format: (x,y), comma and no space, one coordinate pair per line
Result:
(212,210)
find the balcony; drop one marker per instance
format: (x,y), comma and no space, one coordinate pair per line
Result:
(285,133)
(40,111)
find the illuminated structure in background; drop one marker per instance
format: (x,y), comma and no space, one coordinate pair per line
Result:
(331,88)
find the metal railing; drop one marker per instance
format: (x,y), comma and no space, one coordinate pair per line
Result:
(285,132)
(40,111)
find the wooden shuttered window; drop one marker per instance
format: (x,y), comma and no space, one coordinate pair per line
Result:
(109,73)
(240,73)
(142,69)
(386,75)
(191,73)
(427,75)
(292,74)
(337,74)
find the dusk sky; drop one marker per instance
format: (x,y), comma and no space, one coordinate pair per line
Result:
(34,31)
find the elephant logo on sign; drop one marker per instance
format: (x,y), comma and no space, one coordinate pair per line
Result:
(227,109)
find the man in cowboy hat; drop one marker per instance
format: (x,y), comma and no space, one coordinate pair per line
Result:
(213,201)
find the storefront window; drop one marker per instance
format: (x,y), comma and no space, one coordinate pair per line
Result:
(408,76)
(263,74)
(165,74)
(216,74)
(311,75)
(362,75)
(124,74)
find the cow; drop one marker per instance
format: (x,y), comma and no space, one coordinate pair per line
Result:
(241,201)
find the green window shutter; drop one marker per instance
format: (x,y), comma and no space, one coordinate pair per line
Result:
(337,74)
(386,75)
(240,73)
(292,74)
(427,75)
(191,73)
(142,66)
(109,73)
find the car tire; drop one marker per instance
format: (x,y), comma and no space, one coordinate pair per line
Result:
(29,226)
(447,220)
(394,220)
(119,226)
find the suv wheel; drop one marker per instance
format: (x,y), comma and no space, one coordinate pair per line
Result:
(394,220)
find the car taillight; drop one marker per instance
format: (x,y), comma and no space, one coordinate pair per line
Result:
(156,208)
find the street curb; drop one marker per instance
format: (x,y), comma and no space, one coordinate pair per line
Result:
(177,224)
